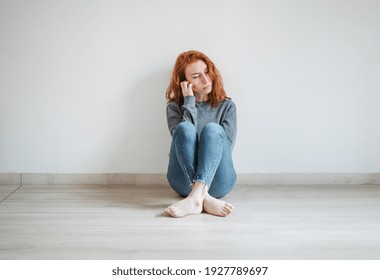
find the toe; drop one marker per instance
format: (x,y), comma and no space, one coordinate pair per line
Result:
(170,210)
(175,214)
(228,210)
(229,205)
(223,213)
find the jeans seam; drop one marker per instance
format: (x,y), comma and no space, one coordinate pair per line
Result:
(186,161)
(215,167)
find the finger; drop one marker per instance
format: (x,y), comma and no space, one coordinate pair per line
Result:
(190,88)
(184,84)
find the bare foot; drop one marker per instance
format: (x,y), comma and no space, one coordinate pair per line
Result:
(217,207)
(191,205)
(187,206)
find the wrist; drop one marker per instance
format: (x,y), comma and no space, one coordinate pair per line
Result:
(189,100)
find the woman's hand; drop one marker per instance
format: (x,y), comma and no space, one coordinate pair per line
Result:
(187,89)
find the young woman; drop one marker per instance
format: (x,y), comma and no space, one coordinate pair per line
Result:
(202,122)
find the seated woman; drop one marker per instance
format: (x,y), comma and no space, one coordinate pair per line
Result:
(202,123)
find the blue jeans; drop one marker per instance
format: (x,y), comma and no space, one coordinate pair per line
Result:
(207,160)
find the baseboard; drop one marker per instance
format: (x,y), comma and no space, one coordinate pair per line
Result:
(160,179)
(82,179)
(309,178)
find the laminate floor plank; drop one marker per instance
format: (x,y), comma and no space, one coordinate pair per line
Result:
(128,222)
(140,189)
(175,243)
(6,190)
(77,197)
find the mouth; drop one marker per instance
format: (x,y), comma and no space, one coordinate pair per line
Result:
(207,87)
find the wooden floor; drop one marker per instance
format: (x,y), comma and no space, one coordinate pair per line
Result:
(127,222)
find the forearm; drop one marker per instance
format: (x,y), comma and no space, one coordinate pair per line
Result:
(229,124)
(189,110)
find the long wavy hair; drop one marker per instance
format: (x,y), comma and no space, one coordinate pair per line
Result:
(174,92)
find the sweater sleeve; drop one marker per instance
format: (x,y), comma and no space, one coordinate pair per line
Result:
(189,110)
(176,115)
(229,123)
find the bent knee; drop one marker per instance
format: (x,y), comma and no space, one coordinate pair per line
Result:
(186,129)
(213,126)
(213,129)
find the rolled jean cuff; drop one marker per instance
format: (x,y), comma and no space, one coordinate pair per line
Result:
(202,181)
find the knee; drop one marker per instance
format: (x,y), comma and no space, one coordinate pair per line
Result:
(185,129)
(213,129)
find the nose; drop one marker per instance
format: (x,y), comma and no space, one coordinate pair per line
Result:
(205,79)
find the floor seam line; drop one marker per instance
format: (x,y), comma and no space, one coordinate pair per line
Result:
(11,194)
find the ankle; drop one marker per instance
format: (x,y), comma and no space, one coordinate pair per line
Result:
(198,192)
(200,187)
(196,197)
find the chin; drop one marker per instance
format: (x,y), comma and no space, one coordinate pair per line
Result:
(207,91)
(202,92)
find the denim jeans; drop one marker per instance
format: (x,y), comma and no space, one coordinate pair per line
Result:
(207,160)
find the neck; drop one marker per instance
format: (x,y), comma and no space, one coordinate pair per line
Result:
(201,97)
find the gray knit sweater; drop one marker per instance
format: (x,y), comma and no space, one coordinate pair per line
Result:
(201,113)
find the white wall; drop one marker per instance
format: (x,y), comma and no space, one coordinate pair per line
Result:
(83,82)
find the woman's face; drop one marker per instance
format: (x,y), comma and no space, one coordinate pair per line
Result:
(197,74)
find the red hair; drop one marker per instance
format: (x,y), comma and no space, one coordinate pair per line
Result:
(174,92)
